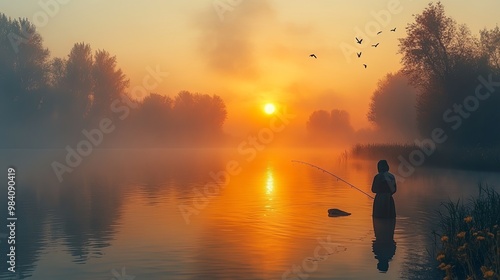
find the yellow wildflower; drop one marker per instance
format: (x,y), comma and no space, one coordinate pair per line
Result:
(440,257)
(480,238)
(491,234)
(488,274)
(461,234)
(468,219)
(444,238)
(442,266)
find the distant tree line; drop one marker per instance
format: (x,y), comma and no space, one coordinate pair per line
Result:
(46,102)
(330,127)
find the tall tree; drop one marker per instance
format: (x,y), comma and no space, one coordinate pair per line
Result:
(434,45)
(23,68)
(78,81)
(490,46)
(444,60)
(109,82)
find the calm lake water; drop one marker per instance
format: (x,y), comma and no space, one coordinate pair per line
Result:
(144,214)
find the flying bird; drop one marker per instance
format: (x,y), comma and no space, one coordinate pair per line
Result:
(313,55)
(365,65)
(393,30)
(358,54)
(379,32)
(359,41)
(376,45)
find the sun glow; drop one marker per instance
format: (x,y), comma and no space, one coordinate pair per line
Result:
(269,182)
(269,108)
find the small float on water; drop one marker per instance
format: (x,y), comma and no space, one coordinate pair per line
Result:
(334,212)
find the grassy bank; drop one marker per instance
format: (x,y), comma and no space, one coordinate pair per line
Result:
(468,245)
(472,158)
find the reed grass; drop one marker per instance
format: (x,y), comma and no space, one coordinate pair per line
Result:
(471,158)
(469,243)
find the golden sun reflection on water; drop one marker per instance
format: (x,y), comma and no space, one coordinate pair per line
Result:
(269,182)
(269,189)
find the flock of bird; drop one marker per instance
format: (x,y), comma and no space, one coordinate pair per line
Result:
(360,41)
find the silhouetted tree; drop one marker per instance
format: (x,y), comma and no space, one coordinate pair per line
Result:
(23,69)
(154,116)
(78,82)
(109,82)
(319,122)
(340,122)
(212,110)
(23,81)
(199,112)
(443,60)
(330,126)
(490,46)
(392,108)
(57,72)
(434,45)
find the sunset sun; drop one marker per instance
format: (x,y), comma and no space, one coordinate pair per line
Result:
(269,108)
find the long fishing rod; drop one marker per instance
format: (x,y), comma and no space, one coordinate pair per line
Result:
(330,173)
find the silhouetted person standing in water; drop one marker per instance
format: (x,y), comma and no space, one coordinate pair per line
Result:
(384,185)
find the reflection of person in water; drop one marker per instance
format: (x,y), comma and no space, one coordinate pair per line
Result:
(384,246)
(384,185)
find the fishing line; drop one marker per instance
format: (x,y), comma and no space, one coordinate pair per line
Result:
(330,173)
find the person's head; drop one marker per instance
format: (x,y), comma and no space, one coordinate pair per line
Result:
(382,166)
(383,266)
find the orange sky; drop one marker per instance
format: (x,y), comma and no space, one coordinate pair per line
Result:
(251,51)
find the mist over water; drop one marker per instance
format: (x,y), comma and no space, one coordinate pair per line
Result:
(121,208)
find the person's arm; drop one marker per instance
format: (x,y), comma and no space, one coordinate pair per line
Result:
(375,187)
